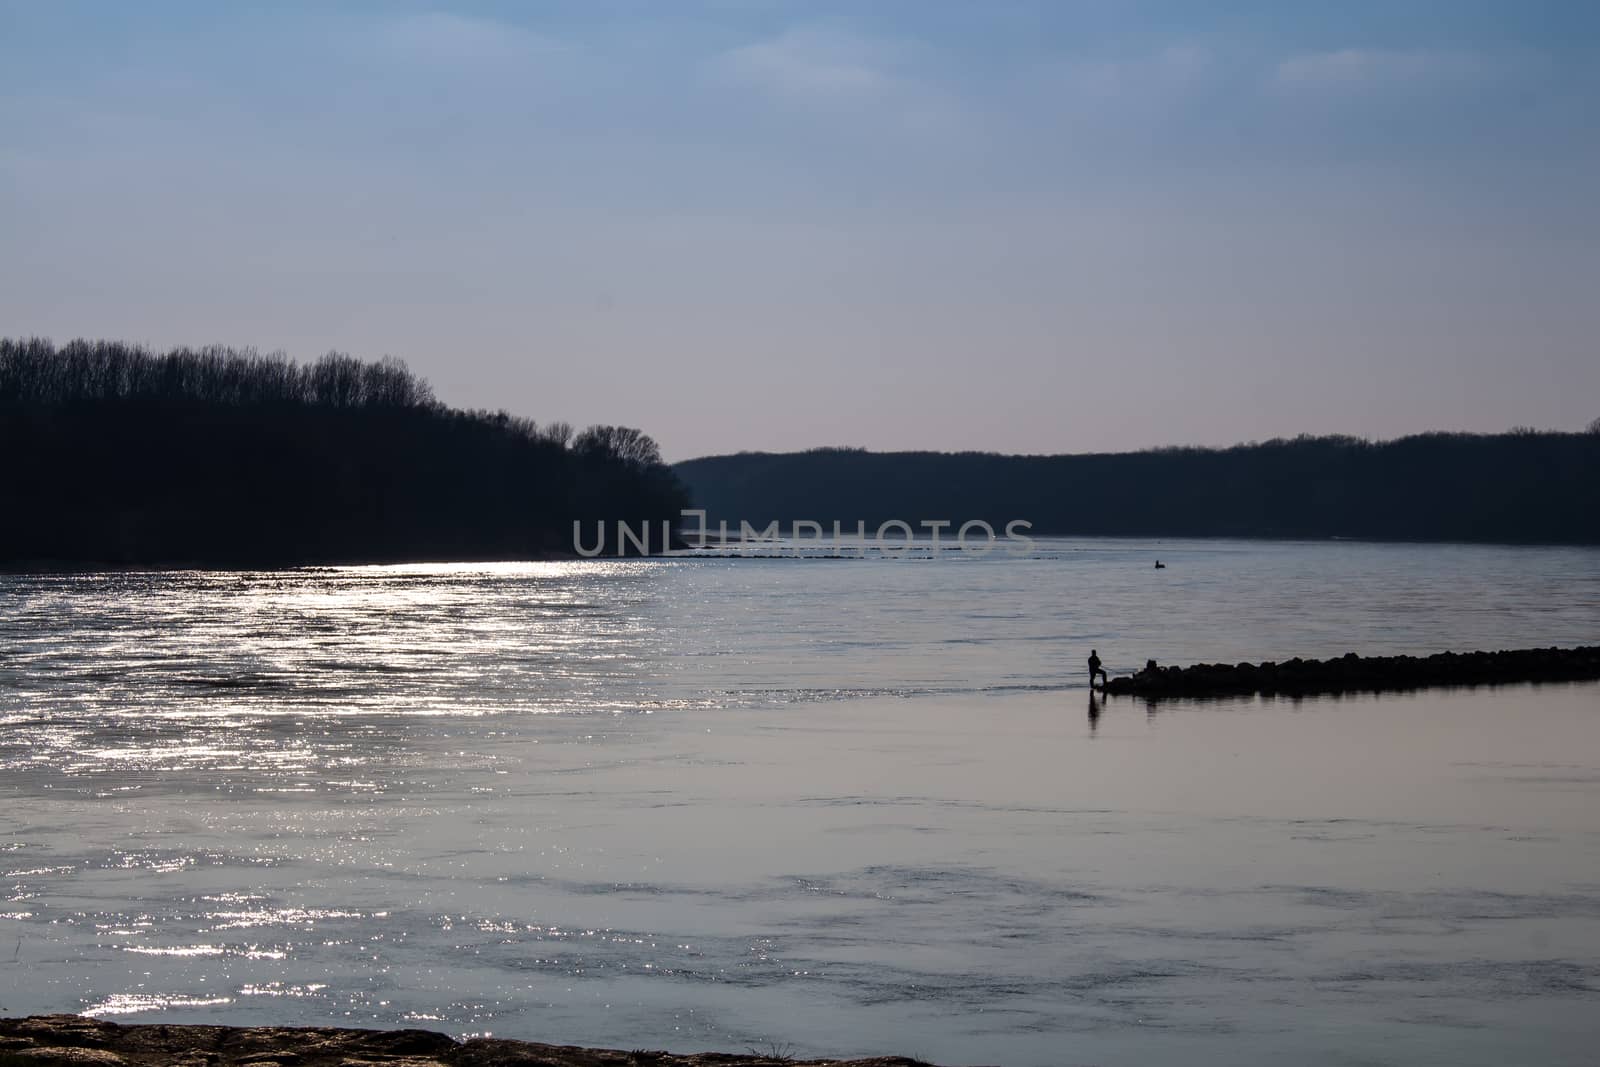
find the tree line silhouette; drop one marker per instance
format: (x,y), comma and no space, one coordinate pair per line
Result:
(1520,486)
(222,456)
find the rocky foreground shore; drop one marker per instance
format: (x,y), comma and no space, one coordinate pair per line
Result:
(74,1041)
(1353,673)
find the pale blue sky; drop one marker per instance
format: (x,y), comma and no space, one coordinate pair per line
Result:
(1030,227)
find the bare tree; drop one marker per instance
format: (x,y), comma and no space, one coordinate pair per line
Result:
(557,433)
(632,447)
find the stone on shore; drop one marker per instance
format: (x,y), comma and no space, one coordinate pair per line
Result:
(76,1041)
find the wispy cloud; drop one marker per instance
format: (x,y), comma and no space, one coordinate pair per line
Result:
(884,82)
(1172,69)
(449,39)
(1376,68)
(813,63)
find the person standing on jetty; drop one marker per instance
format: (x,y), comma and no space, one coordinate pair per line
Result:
(1095,668)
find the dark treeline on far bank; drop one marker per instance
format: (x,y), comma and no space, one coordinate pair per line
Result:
(115,454)
(1522,486)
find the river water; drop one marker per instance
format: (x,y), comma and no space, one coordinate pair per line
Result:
(819,806)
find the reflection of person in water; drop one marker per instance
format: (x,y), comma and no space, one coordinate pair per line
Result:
(1094,668)
(1094,713)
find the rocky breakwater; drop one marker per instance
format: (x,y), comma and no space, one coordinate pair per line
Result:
(1353,673)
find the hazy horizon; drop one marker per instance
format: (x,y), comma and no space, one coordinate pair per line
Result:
(767,226)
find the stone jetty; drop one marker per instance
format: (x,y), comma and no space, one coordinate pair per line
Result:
(1353,673)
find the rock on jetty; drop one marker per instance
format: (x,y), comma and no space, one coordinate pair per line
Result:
(74,1041)
(1352,673)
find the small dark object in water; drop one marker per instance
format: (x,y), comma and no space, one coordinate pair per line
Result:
(1160,566)
(1351,672)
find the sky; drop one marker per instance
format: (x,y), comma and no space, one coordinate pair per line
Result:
(1036,227)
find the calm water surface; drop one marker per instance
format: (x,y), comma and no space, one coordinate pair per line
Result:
(840,806)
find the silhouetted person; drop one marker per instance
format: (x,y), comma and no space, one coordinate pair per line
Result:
(1095,668)
(1160,566)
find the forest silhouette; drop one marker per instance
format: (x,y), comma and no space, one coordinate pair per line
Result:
(219,456)
(227,457)
(1520,486)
